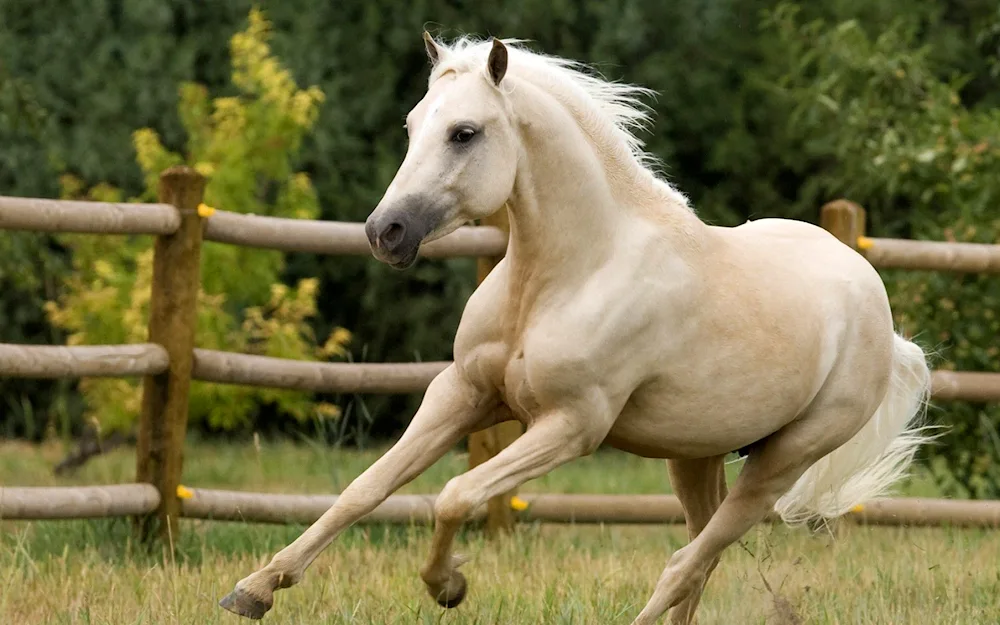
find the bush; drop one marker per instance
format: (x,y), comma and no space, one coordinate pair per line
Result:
(30,274)
(243,144)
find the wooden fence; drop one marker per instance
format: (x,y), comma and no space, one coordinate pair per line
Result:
(168,363)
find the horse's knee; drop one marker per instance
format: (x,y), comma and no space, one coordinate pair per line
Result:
(455,502)
(683,575)
(681,561)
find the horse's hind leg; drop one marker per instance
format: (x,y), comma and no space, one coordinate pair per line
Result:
(772,468)
(700,485)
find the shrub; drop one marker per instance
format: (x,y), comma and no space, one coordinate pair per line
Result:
(243,145)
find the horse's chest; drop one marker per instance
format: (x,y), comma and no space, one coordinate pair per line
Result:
(495,367)
(517,391)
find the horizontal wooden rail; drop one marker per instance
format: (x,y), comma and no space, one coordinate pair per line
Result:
(77,502)
(46,361)
(225,505)
(41,215)
(667,509)
(338,238)
(228,505)
(931,255)
(914,511)
(83,502)
(327,377)
(634,509)
(966,386)
(620,509)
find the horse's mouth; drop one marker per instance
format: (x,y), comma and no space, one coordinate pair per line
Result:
(405,263)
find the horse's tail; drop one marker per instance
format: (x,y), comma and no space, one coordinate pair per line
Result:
(877,456)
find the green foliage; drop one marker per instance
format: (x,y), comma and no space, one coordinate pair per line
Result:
(29,275)
(244,145)
(901,142)
(766,165)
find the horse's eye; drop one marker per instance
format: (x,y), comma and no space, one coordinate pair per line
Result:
(463,135)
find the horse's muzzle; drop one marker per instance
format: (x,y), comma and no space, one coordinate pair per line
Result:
(395,232)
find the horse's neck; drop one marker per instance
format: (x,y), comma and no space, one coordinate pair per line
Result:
(571,205)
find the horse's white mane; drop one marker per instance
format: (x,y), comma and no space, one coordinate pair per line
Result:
(614,111)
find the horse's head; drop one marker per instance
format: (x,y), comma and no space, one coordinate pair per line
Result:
(460,162)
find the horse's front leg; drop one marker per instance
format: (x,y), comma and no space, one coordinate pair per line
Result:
(451,408)
(555,439)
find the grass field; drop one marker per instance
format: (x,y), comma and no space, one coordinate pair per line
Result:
(90,572)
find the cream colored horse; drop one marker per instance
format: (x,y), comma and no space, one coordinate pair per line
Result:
(618,316)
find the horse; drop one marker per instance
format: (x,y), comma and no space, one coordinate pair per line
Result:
(618,316)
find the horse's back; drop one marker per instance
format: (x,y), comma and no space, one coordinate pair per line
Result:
(786,235)
(784,227)
(803,248)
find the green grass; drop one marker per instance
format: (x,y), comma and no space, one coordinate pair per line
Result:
(306,468)
(90,572)
(286,467)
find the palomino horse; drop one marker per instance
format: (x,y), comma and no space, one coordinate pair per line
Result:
(618,316)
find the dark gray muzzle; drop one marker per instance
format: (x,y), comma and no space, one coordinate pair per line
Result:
(395,232)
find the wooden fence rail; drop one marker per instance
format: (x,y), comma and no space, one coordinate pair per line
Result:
(419,509)
(229,505)
(226,505)
(638,509)
(77,502)
(326,377)
(338,238)
(18,213)
(846,221)
(248,507)
(931,255)
(44,361)
(965,386)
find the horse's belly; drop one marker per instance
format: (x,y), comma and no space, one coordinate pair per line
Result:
(665,423)
(684,438)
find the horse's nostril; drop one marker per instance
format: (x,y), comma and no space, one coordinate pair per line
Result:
(393,234)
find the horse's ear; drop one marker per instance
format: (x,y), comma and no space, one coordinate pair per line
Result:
(433,52)
(497,63)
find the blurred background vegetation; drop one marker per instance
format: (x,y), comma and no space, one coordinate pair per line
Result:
(765,108)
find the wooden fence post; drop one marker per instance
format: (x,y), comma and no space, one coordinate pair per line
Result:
(844,220)
(172,318)
(488,443)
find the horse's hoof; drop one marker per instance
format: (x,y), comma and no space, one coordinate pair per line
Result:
(241,602)
(453,599)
